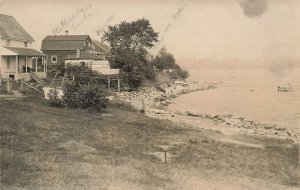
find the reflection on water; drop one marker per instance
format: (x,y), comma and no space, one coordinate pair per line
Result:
(252,94)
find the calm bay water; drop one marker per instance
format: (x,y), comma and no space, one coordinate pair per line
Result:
(247,93)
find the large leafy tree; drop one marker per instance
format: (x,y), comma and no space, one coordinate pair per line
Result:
(130,42)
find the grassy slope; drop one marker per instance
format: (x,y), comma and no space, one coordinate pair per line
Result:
(112,155)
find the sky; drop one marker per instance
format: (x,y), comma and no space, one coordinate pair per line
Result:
(192,29)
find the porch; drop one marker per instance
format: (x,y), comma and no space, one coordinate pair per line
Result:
(20,62)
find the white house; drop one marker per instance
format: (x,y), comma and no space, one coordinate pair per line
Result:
(17,59)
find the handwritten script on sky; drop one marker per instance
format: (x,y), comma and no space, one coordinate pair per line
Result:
(100,30)
(73,21)
(167,28)
(231,29)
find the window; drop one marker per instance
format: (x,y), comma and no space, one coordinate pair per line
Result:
(25,44)
(8,42)
(53,59)
(11,77)
(84,45)
(8,62)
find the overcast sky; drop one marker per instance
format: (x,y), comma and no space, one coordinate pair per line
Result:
(202,29)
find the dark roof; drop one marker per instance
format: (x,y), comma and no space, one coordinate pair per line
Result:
(62,45)
(84,55)
(67,38)
(25,51)
(101,47)
(11,29)
(66,42)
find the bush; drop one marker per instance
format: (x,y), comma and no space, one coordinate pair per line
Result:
(165,61)
(173,75)
(54,99)
(53,69)
(87,90)
(85,95)
(184,74)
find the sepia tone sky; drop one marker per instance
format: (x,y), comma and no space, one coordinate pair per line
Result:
(200,29)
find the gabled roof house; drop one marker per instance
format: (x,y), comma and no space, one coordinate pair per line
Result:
(57,48)
(60,48)
(17,59)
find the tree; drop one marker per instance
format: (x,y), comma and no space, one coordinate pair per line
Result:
(130,42)
(166,61)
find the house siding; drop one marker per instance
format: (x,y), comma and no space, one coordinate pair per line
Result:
(14,40)
(61,55)
(5,70)
(64,46)
(14,43)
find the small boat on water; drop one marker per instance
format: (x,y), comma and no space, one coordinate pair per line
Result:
(286,88)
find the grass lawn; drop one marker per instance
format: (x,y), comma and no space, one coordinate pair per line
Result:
(52,148)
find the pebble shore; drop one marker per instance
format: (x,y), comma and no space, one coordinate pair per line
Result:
(154,102)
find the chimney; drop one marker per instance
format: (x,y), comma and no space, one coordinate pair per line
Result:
(66,32)
(77,53)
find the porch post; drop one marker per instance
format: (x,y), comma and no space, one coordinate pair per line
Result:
(43,62)
(119,86)
(26,64)
(17,67)
(35,64)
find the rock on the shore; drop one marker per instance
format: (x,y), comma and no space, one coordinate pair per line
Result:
(155,101)
(246,126)
(157,111)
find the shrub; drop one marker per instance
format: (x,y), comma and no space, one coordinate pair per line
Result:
(165,61)
(87,90)
(53,69)
(173,75)
(183,73)
(85,95)
(54,99)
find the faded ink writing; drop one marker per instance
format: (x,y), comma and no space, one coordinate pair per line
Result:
(167,28)
(80,14)
(100,30)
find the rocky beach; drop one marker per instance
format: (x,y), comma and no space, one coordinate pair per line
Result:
(155,101)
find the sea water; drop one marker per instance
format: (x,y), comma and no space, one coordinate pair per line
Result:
(249,93)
